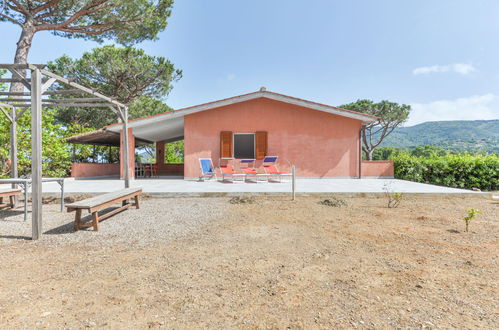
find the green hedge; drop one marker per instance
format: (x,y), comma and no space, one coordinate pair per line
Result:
(452,170)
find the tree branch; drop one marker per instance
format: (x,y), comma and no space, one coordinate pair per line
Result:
(19,8)
(50,14)
(47,5)
(90,9)
(10,19)
(97,32)
(384,134)
(84,11)
(379,130)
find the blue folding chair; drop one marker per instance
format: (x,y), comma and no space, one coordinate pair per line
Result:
(207,169)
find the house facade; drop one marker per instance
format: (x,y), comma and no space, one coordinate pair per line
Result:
(319,144)
(322,141)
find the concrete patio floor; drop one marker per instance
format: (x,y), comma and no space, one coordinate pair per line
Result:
(179,187)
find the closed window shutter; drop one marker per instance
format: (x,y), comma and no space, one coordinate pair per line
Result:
(261,145)
(225,144)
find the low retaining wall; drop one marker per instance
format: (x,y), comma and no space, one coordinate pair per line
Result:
(378,169)
(89,170)
(171,169)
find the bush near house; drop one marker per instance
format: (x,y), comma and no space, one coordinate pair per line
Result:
(451,170)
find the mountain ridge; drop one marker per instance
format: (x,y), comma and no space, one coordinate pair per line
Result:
(460,135)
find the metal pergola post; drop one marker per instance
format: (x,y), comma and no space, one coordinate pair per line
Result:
(124,112)
(36,152)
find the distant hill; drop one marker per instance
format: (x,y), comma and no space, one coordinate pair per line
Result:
(461,135)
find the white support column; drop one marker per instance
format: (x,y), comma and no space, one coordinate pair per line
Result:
(36,153)
(126,146)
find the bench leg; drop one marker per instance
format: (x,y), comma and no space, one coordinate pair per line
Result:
(95,221)
(137,205)
(12,202)
(77,219)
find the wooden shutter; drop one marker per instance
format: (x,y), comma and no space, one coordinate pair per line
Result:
(225,144)
(261,145)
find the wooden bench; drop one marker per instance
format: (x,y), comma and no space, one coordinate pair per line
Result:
(101,202)
(10,193)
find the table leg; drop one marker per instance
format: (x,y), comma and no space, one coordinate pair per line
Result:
(62,195)
(25,201)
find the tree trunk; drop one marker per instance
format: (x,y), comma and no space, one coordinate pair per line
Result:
(369,154)
(22,51)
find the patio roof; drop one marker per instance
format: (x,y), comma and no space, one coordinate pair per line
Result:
(169,126)
(102,137)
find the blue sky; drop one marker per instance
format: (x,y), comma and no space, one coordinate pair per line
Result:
(442,57)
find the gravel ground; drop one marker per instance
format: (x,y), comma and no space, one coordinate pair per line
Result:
(258,263)
(158,220)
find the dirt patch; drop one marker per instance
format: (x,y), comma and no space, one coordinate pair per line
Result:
(272,264)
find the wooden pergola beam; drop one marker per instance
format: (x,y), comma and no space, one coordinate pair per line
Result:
(69,100)
(22,66)
(63,105)
(59,92)
(18,80)
(83,88)
(3,108)
(75,100)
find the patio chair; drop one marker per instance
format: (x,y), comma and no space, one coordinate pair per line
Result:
(139,170)
(270,168)
(207,169)
(227,170)
(151,170)
(248,167)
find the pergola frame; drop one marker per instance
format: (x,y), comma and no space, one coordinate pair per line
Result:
(37,86)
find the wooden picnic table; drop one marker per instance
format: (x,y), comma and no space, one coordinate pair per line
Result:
(25,183)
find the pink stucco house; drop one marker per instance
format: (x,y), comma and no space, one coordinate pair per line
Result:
(322,141)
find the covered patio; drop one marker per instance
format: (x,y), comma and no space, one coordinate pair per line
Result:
(113,139)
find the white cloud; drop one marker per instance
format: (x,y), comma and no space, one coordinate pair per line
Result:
(475,107)
(461,68)
(230,76)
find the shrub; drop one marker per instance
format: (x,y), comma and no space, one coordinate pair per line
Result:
(333,202)
(472,213)
(451,170)
(242,200)
(394,198)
